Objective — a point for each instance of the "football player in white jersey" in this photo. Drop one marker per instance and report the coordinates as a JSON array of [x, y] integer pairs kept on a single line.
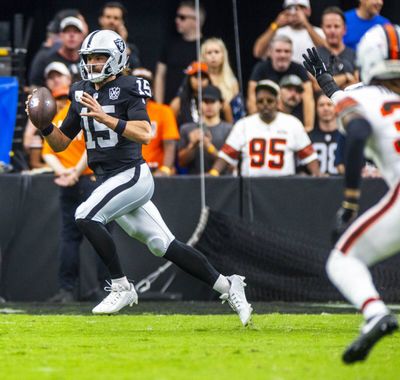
[[268, 141], [370, 117]]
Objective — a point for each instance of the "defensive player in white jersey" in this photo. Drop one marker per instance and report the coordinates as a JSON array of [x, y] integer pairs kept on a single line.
[[370, 117], [267, 141]]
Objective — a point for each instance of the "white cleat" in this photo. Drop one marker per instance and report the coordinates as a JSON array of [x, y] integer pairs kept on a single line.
[[237, 298], [118, 298]]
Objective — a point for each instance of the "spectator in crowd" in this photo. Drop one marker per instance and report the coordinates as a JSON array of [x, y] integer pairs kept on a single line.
[[113, 17], [340, 58], [267, 142], [52, 42], [215, 133], [275, 68], [215, 55], [76, 182], [178, 53], [185, 104], [362, 18], [71, 34], [56, 75], [325, 136], [290, 100], [160, 153], [292, 22]]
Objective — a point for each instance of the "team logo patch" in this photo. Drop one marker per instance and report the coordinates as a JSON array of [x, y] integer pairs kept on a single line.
[[120, 44], [78, 95], [114, 92]]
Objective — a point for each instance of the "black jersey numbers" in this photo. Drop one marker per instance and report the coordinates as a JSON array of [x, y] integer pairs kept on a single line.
[[99, 135]]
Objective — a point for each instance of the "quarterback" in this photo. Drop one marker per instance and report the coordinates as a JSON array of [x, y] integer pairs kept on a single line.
[[111, 110], [370, 117]]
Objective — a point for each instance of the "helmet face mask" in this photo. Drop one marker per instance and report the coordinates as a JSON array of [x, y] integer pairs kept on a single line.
[[104, 42], [378, 53]]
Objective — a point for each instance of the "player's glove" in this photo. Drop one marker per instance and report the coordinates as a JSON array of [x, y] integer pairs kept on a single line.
[[314, 63], [317, 68], [346, 214]]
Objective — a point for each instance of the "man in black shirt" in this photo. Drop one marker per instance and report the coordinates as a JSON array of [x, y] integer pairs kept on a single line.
[[71, 36], [178, 53], [275, 68], [111, 110], [325, 135]]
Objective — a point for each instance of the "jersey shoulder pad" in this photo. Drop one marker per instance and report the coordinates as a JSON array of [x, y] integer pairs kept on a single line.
[[347, 105]]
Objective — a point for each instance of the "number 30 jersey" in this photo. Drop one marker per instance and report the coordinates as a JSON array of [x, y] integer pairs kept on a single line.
[[268, 149], [381, 108], [123, 98]]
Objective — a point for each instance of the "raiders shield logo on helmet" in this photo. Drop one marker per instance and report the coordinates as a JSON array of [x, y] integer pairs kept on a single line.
[[120, 44]]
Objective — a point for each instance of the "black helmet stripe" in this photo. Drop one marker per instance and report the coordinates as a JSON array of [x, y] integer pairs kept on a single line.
[[91, 38]]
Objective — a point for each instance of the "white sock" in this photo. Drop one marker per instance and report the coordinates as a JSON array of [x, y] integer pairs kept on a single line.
[[222, 285], [375, 308], [352, 277], [123, 281]]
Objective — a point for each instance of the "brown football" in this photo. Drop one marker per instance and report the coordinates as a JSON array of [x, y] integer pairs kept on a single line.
[[42, 108]]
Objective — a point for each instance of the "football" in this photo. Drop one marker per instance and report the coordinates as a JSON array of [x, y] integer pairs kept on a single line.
[[41, 108]]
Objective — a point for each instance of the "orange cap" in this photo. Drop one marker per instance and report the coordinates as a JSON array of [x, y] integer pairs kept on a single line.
[[195, 67], [60, 91]]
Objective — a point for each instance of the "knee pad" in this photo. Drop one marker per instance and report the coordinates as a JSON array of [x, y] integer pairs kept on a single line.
[[158, 246]]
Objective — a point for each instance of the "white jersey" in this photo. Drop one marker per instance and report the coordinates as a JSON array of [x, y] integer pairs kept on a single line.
[[268, 149], [381, 107]]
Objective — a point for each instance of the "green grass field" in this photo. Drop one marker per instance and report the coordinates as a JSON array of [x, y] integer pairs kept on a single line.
[[277, 346]]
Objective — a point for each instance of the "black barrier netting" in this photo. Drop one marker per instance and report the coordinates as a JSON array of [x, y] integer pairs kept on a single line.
[[281, 265]]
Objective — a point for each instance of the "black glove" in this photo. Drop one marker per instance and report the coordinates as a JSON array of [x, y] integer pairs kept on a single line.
[[314, 64], [346, 214]]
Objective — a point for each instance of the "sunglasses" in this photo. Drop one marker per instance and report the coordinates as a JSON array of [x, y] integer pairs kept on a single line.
[[184, 17]]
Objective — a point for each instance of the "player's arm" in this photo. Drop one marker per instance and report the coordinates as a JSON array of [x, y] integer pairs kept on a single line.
[[358, 129], [135, 130]]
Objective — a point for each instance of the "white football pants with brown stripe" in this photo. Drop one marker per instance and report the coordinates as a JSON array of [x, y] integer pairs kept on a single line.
[[373, 237]]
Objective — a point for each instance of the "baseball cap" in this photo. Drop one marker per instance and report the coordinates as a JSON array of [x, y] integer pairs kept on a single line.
[[291, 81], [212, 93], [269, 85], [71, 21], [59, 67], [60, 91], [290, 3], [195, 67]]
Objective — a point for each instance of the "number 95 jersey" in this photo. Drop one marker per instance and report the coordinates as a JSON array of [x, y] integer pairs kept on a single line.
[[123, 98], [268, 149]]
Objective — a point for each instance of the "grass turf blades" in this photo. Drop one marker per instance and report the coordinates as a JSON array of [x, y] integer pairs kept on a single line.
[[277, 346]]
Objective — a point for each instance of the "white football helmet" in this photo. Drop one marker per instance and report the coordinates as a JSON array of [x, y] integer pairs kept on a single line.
[[378, 53], [105, 42]]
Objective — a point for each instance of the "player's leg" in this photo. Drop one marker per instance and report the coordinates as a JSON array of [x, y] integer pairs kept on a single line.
[[146, 225], [118, 195], [372, 238]]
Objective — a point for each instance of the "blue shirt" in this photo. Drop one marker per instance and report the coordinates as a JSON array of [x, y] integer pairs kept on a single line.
[[356, 27]]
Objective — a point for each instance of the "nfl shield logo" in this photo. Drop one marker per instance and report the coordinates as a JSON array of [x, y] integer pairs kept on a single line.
[[120, 44], [113, 93]]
